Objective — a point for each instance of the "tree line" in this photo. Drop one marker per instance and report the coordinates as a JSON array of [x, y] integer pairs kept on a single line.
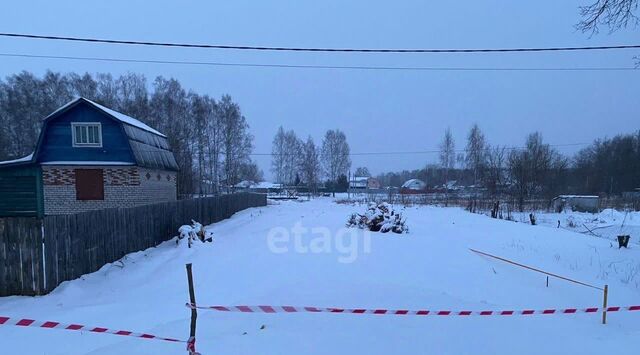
[[534, 170], [210, 137], [298, 162]]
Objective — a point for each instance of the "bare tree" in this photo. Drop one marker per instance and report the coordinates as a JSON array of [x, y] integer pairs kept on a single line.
[[335, 154], [476, 153], [249, 171], [214, 136], [25, 100], [84, 86], [292, 156], [310, 164], [107, 90], [277, 156], [496, 159], [199, 112], [535, 169], [609, 165], [614, 14], [55, 90], [236, 140], [133, 95], [169, 107], [447, 154]]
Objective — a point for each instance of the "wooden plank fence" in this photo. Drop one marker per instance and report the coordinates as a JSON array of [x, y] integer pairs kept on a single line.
[[72, 245], [21, 256]]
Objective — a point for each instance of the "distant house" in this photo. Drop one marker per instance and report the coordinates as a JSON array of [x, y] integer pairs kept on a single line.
[[364, 182], [579, 203], [244, 184], [89, 157], [265, 187], [413, 186], [258, 187]]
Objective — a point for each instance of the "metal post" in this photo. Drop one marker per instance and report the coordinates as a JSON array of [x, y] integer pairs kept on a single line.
[[191, 347], [349, 186], [44, 289], [604, 304]]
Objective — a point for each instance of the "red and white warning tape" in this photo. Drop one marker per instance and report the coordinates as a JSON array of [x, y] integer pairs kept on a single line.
[[402, 312], [25, 322]]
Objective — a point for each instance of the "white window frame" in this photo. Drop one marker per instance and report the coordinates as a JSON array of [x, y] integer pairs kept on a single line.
[[87, 124]]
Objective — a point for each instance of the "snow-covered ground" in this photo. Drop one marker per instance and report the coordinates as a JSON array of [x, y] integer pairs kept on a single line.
[[251, 263]]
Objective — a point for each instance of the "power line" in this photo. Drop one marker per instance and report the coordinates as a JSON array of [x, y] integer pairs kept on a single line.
[[303, 66], [316, 49]]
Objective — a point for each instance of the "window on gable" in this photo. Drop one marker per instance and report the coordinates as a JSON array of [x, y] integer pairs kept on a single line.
[[89, 184], [86, 134]]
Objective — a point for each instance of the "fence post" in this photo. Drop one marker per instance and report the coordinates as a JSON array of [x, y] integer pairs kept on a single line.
[[604, 304], [191, 344], [43, 267]]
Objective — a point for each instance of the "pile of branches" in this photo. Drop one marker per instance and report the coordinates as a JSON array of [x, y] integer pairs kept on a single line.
[[379, 217]]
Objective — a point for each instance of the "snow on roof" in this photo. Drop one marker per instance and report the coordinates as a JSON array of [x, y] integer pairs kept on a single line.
[[576, 196], [244, 184], [258, 185], [19, 160], [115, 114], [451, 183], [126, 119], [86, 162], [410, 182], [360, 178], [267, 185]]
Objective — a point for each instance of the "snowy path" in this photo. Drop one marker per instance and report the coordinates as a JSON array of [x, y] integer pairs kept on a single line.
[[430, 268]]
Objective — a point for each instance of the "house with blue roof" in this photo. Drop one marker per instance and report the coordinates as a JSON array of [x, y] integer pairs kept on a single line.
[[89, 157]]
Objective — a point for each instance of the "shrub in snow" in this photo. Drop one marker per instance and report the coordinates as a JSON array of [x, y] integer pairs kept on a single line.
[[193, 232], [379, 217]]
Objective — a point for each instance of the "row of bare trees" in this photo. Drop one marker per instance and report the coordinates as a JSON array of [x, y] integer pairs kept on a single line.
[[296, 162], [210, 137], [534, 170], [610, 165]]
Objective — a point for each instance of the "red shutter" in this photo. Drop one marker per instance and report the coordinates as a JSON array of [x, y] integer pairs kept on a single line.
[[89, 184]]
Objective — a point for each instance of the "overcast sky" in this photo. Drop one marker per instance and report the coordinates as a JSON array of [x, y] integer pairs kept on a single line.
[[379, 111]]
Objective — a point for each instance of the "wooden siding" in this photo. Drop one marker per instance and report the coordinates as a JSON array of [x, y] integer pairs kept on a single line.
[[57, 143], [21, 191], [82, 243]]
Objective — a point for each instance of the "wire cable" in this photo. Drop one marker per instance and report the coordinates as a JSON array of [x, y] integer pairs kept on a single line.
[[303, 66], [313, 49]]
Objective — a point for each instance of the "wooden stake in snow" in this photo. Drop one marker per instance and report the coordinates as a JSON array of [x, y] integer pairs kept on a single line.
[[604, 304], [191, 344]]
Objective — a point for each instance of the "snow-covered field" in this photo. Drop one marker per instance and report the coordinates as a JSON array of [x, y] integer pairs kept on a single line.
[[250, 263], [607, 224]]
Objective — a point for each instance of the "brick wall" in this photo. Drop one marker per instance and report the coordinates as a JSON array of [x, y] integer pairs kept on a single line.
[[124, 186]]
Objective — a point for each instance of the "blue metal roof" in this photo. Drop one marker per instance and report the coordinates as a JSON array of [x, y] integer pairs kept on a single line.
[[125, 139], [150, 150]]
